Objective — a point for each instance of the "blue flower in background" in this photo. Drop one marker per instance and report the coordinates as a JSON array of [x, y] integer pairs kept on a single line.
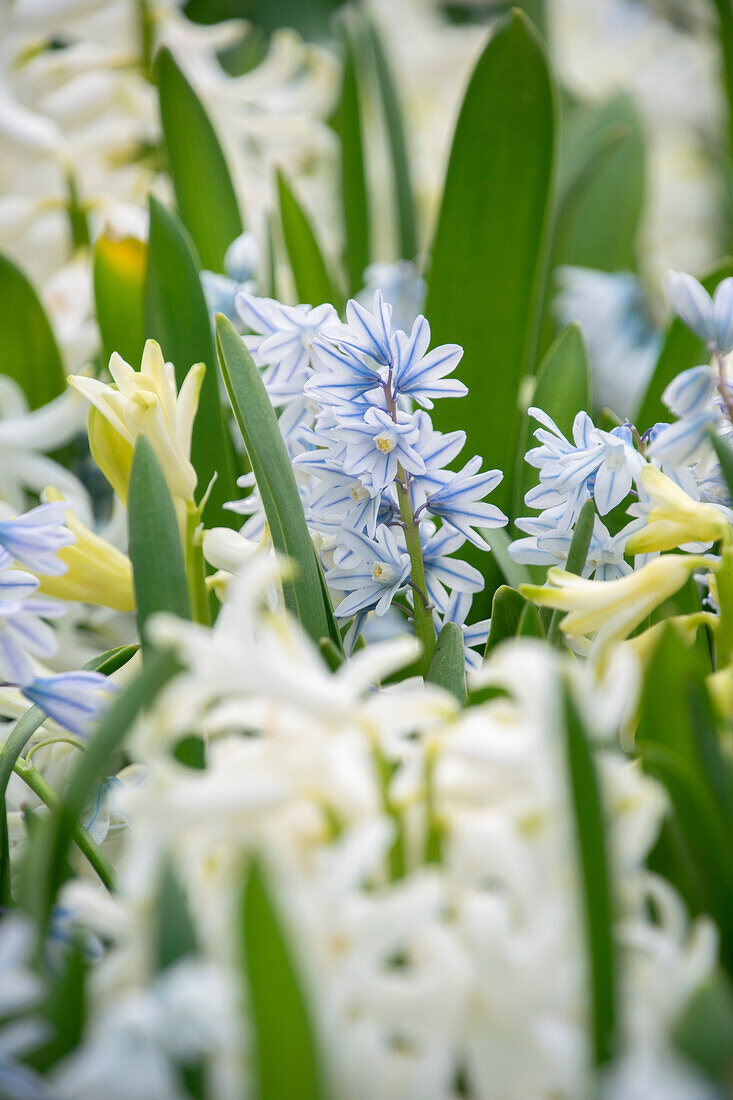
[[420, 374], [377, 444], [380, 570], [35, 538], [459, 501]]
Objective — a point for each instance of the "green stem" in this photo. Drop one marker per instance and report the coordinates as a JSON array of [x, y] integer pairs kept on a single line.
[[83, 840], [196, 567], [397, 849], [145, 25], [77, 215], [424, 626]]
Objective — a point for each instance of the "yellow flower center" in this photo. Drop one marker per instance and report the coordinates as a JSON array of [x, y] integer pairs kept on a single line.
[[385, 442]]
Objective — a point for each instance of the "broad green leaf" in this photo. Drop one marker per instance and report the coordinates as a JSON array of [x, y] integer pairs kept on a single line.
[[29, 354], [353, 188], [158, 568], [120, 265], [285, 1055], [404, 199], [577, 555], [205, 195], [312, 280], [562, 389], [506, 611], [607, 214], [448, 666], [681, 349], [488, 262], [175, 934], [23, 730], [594, 883], [177, 317], [46, 857], [273, 472], [531, 624]]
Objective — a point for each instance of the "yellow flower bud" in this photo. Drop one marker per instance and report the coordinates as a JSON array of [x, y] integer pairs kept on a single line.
[[97, 572], [111, 452]]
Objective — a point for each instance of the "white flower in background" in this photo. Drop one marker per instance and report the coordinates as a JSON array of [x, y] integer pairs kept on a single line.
[[415, 970]]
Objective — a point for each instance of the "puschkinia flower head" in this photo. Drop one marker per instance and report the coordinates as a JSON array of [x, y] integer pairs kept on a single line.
[[73, 699], [369, 465]]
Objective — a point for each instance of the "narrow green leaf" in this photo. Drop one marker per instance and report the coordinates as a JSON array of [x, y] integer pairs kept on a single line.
[[30, 354], [681, 349], [175, 934], [595, 885], [120, 265], [607, 214], [64, 1009], [312, 280], [562, 389], [273, 472], [448, 666], [406, 219], [46, 857], [577, 556], [23, 730], [177, 317], [158, 569], [506, 611], [285, 1060], [347, 124], [489, 253], [530, 623], [205, 195]]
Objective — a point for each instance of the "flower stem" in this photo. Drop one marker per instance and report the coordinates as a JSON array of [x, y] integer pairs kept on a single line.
[[195, 567], [724, 633], [424, 627], [83, 840]]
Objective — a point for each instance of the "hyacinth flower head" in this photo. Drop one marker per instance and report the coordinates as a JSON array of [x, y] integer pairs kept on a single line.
[[143, 402]]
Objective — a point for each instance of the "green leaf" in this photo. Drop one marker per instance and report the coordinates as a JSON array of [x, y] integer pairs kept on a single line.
[[30, 354], [158, 569], [178, 318], [175, 934], [404, 199], [681, 349], [46, 857], [577, 556], [205, 195], [120, 265], [704, 1033], [489, 253], [678, 742], [312, 280], [353, 188], [23, 730], [606, 215], [595, 885], [273, 472], [530, 623], [64, 1009], [562, 389], [448, 666], [285, 1056], [506, 611]]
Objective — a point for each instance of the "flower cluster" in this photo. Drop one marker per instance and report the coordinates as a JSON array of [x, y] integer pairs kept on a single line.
[[422, 860], [373, 470], [669, 466]]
